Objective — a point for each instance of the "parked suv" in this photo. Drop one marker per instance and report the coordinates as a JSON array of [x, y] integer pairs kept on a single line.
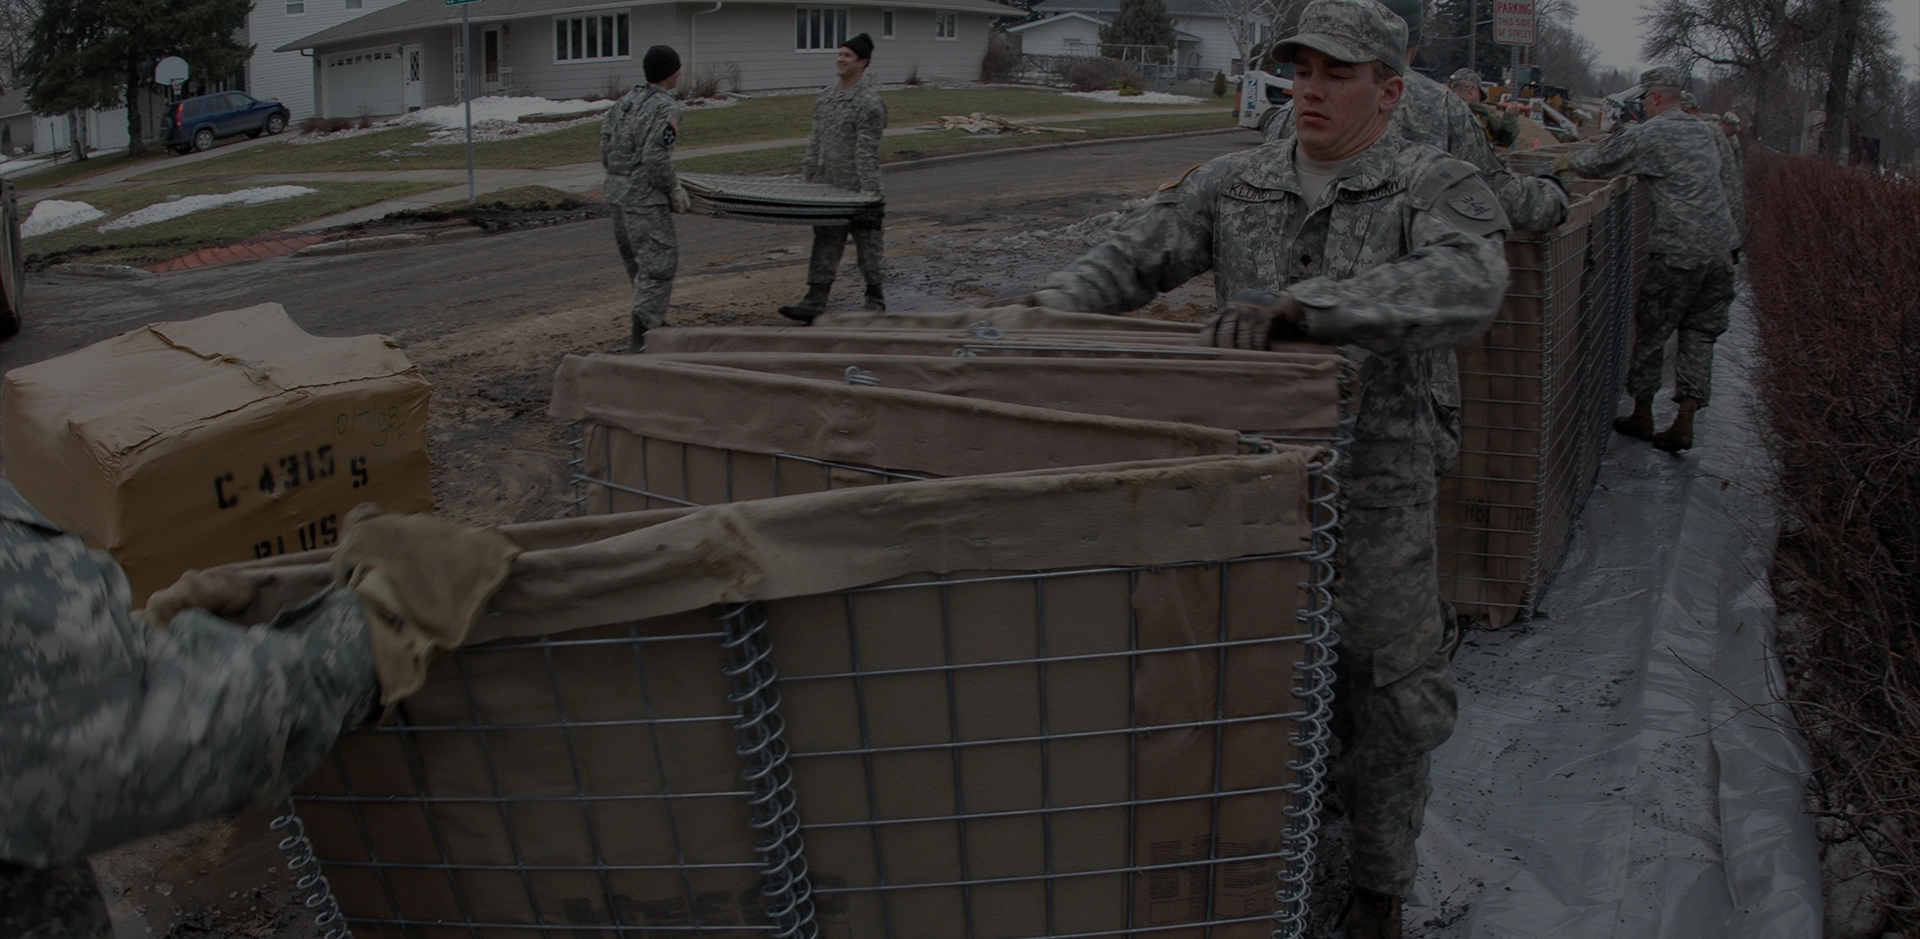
[[195, 123]]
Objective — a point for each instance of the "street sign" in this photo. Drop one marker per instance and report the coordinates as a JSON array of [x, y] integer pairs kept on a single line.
[[1515, 23], [172, 72]]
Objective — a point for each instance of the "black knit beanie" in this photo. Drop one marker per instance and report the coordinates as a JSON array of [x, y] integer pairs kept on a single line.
[[862, 46], [660, 62]]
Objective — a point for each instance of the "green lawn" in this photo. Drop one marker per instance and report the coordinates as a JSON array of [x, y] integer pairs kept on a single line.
[[66, 172], [161, 241], [772, 118], [940, 143]]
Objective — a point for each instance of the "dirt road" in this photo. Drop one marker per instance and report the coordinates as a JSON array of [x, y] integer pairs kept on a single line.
[[487, 319]]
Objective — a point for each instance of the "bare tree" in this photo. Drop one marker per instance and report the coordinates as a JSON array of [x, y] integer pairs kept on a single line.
[[16, 34], [1252, 23]]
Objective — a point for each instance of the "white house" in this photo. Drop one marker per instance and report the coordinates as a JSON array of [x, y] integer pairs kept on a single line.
[[1078, 34], [1204, 42], [288, 76], [409, 55]]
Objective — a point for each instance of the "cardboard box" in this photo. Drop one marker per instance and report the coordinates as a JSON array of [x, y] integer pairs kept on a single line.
[[224, 438]]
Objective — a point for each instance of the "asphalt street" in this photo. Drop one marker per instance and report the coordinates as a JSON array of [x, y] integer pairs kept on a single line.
[[437, 290]]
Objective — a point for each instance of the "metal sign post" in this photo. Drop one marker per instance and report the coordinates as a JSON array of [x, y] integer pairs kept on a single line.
[[466, 88]]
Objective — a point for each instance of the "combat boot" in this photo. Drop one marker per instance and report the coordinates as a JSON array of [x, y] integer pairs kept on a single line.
[[876, 300], [1373, 915], [810, 306], [1640, 422], [1680, 436]]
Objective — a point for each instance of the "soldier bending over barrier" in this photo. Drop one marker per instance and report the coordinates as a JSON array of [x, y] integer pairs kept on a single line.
[[1346, 234], [636, 148], [844, 151], [1690, 251], [116, 726]]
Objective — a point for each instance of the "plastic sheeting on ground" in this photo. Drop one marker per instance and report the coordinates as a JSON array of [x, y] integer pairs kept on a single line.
[[1622, 767]]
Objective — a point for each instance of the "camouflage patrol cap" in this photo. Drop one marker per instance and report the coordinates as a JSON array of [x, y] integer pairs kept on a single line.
[[1352, 31], [1659, 77], [1689, 102], [1463, 75], [1413, 13], [1731, 120]]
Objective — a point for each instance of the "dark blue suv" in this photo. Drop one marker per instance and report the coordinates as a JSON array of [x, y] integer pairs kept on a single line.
[[195, 123]]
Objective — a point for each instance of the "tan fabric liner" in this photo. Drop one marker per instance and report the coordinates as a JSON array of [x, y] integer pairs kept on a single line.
[[1002, 317], [679, 339], [732, 409], [1252, 397]]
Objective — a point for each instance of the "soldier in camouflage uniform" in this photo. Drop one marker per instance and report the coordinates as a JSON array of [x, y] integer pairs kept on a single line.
[[1347, 234], [1689, 279], [1432, 115], [636, 148], [844, 151], [116, 728], [1501, 127]]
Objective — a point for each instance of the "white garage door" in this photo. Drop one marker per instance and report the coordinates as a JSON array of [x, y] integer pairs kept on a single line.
[[364, 81]]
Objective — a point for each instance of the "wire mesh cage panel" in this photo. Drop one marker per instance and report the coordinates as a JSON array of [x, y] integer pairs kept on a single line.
[[1537, 393], [1095, 749]]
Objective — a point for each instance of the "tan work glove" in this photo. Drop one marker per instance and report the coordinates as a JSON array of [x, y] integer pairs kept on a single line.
[[678, 200], [221, 593], [1255, 320], [1563, 163], [1018, 299], [423, 583]]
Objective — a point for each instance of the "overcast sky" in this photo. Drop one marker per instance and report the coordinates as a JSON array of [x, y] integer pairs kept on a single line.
[[1609, 23]]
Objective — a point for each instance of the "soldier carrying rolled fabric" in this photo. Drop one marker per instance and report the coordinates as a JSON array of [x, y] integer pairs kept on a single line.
[[1690, 251], [1501, 127], [1432, 115], [1349, 234], [844, 151], [116, 725], [636, 148]]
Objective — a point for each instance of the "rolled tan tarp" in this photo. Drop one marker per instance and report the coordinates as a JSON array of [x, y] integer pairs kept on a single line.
[[1042, 343], [1298, 398], [1006, 318]]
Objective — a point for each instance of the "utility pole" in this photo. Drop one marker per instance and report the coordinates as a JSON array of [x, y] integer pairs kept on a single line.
[[1473, 35]]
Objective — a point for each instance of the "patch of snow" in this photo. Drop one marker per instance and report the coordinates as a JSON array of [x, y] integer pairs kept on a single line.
[[20, 165], [1145, 97], [499, 108], [187, 205], [51, 215]]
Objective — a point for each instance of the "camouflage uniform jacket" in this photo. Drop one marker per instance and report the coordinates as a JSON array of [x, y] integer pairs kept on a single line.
[[844, 150], [1501, 128], [1405, 260], [1733, 178], [1680, 164], [1432, 115], [111, 730], [636, 147]]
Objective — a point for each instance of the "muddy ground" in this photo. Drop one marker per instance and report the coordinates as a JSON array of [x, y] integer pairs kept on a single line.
[[487, 320]]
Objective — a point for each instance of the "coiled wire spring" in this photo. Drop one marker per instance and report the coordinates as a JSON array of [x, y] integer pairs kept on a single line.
[[763, 750], [309, 879]]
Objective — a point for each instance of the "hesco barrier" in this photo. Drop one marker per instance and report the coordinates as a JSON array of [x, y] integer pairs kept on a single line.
[[1040, 698], [1537, 394]]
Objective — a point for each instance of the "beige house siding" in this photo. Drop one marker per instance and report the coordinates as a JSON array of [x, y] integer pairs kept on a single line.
[[757, 39], [290, 76]]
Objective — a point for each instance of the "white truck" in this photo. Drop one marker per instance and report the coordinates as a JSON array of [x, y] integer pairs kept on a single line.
[[1262, 95]]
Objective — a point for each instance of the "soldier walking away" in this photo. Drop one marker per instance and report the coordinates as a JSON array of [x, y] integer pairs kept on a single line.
[[117, 724], [1690, 251], [1348, 234], [1432, 115], [636, 148], [844, 151]]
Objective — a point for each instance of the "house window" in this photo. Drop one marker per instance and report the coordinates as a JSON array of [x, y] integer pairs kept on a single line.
[[946, 25], [296, 7], [818, 29], [886, 24], [589, 38], [353, 4]]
